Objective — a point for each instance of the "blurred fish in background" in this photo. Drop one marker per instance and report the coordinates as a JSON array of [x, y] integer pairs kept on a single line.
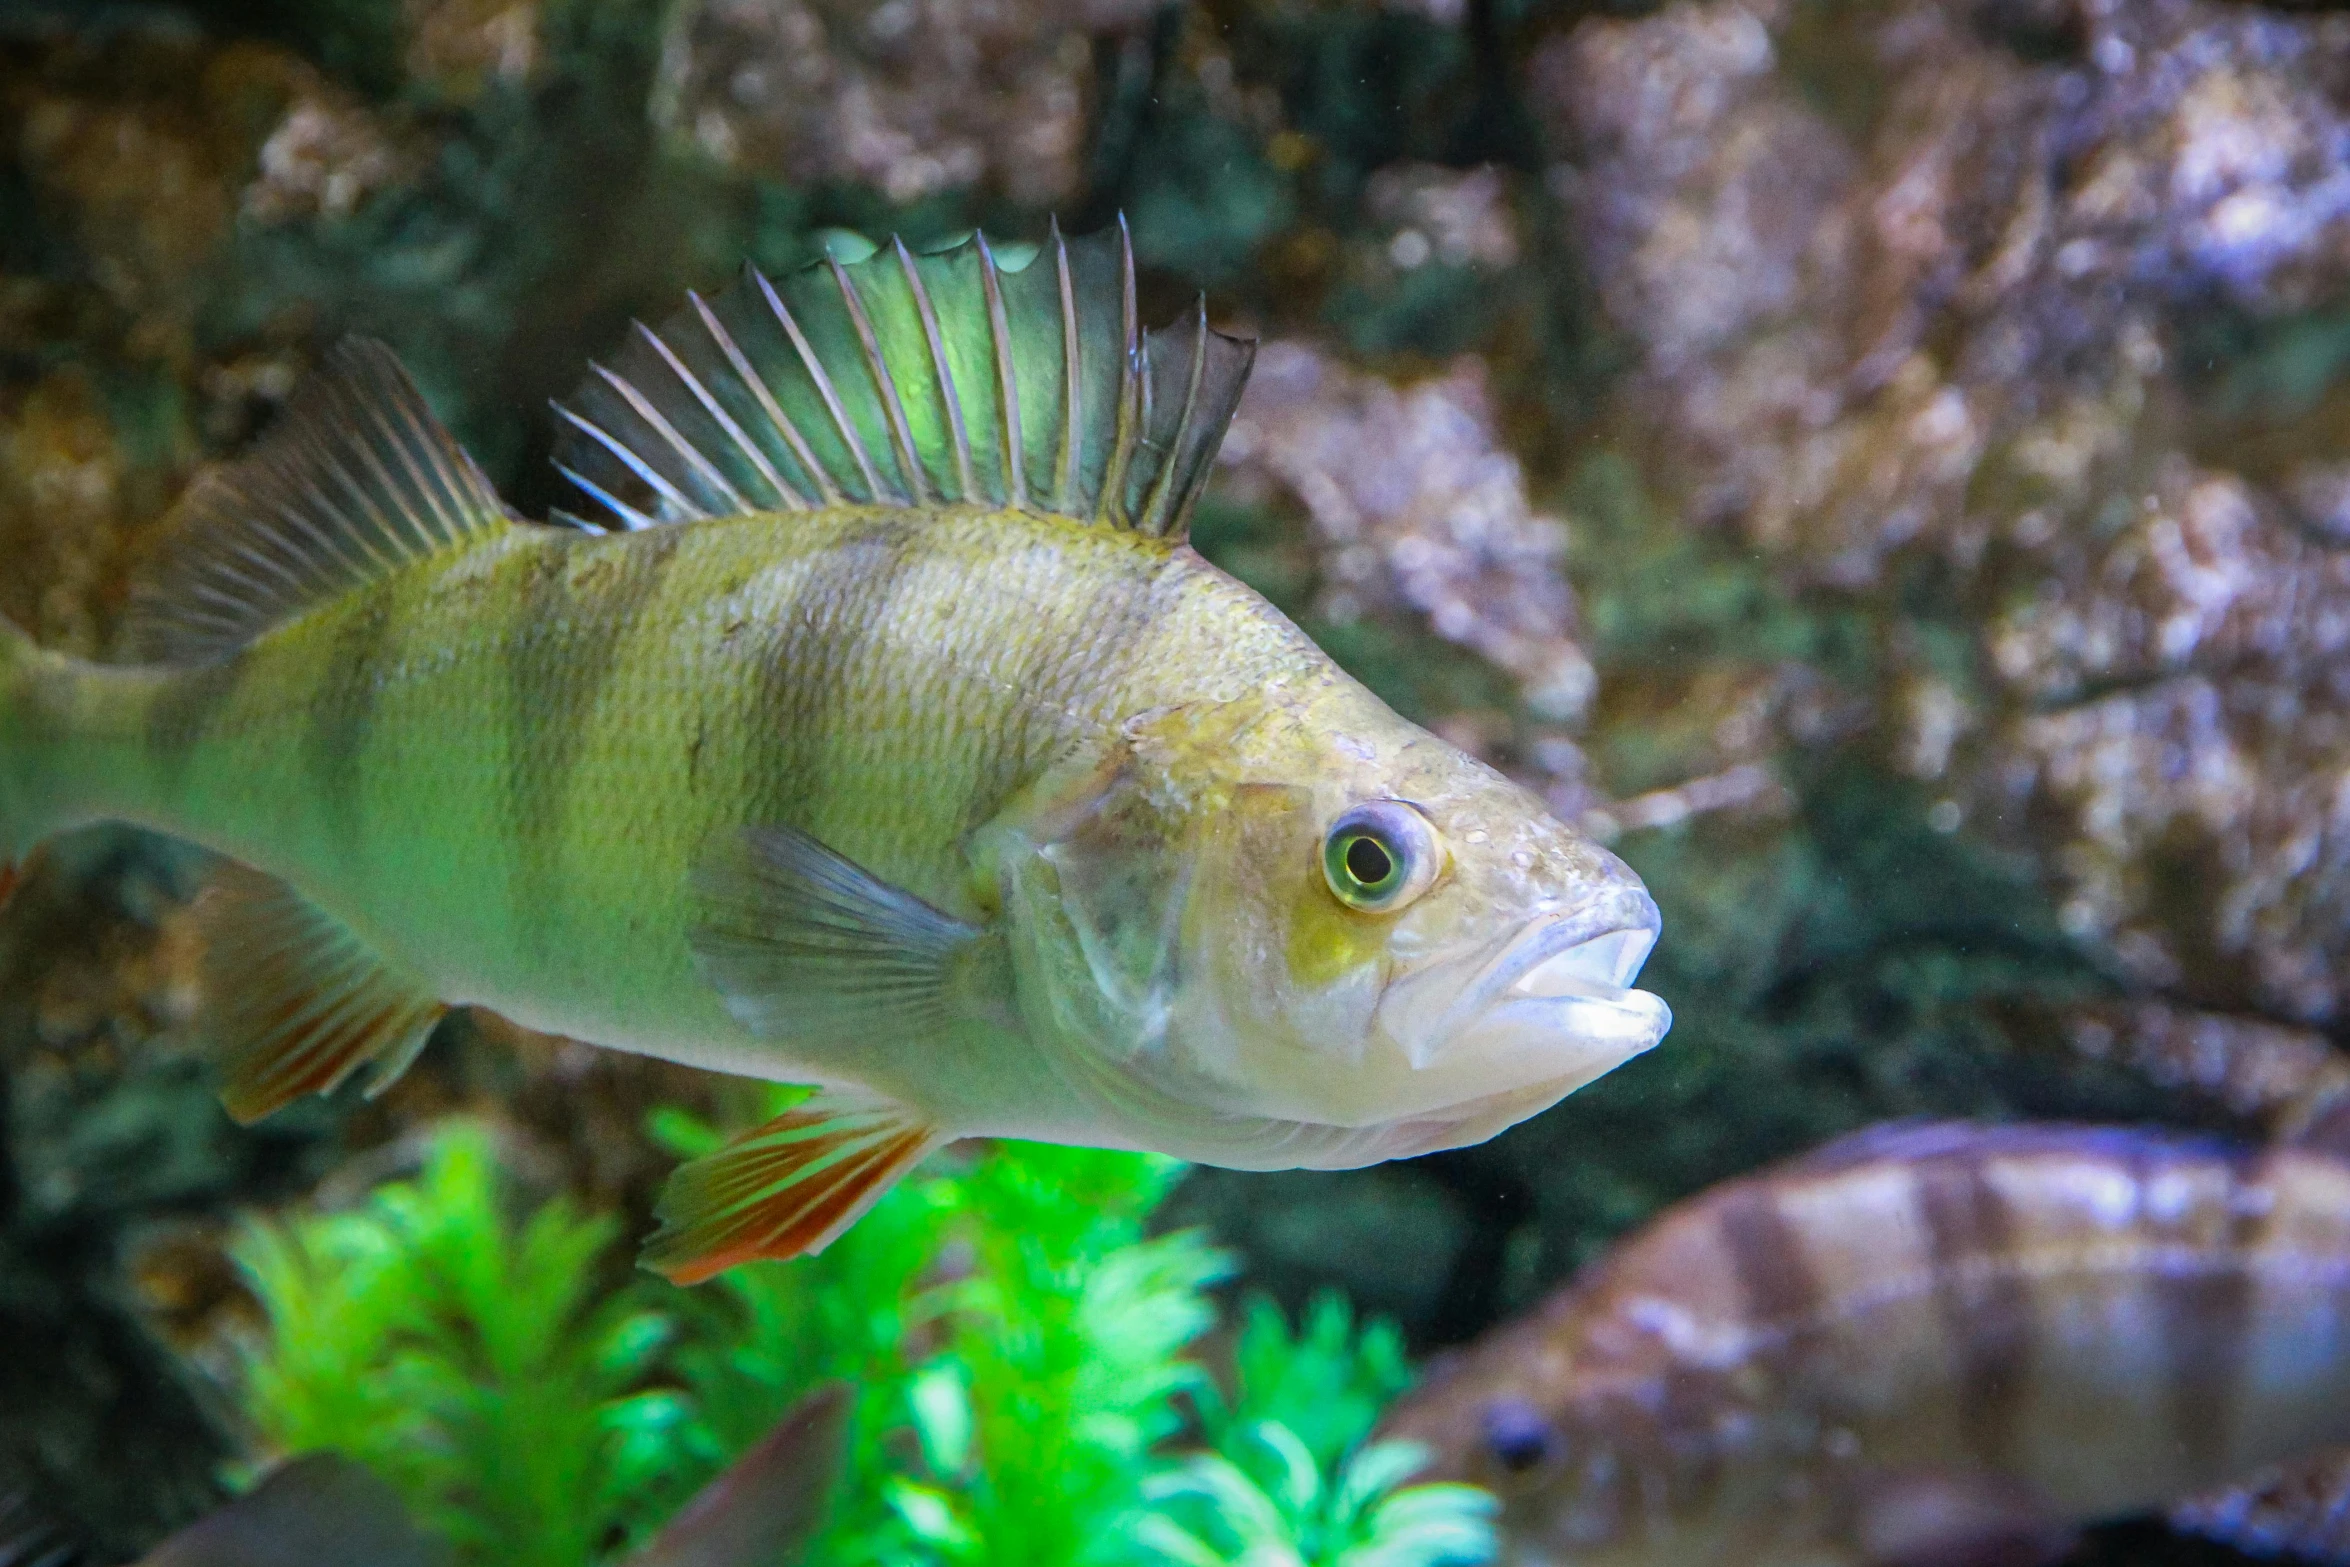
[[1924, 1343]]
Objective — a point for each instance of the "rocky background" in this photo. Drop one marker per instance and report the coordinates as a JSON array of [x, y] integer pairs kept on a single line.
[[1880, 463]]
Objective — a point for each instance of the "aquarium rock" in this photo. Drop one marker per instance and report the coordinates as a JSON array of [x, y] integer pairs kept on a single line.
[[1416, 505], [1921, 293], [912, 98]]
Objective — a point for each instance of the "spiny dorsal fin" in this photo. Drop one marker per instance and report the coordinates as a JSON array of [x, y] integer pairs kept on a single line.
[[356, 481], [906, 380]]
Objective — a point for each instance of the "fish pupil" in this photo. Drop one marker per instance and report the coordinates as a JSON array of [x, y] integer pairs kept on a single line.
[[1368, 861], [1516, 1434]]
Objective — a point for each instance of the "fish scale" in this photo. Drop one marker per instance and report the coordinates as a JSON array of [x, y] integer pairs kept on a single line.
[[883, 734]]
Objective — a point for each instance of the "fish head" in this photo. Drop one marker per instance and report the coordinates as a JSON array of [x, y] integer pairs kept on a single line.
[[1406, 933], [1350, 926]]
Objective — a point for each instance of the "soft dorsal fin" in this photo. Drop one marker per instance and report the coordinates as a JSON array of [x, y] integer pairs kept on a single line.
[[907, 380], [357, 480]]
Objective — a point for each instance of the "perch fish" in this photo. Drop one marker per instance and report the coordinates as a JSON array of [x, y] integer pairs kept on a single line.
[[881, 733], [1925, 1344]]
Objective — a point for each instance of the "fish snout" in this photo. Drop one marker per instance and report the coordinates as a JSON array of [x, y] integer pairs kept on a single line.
[[1551, 1001]]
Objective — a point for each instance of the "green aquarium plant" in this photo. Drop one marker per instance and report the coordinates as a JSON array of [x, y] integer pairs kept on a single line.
[[469, 1357], [1276, 1507], [1020, 1350], [1017, 1341], [1292, 1480]]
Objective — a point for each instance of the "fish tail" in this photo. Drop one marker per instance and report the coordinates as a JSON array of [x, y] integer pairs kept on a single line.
[[68, 736]]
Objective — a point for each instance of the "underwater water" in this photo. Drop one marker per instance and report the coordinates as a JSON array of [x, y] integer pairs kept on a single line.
[[1878, 466]]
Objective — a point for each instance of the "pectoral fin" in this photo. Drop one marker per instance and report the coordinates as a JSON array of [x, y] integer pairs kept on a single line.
[[788, 1187], [801, 942], [296, 1000]]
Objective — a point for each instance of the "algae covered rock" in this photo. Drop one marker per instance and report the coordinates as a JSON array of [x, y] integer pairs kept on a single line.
[[1923, 305]]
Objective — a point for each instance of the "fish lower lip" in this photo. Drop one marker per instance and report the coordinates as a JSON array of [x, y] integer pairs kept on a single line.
[[1595, 1034]]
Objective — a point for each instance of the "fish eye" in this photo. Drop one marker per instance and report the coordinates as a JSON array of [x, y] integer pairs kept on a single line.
[[1380, 855], [1516, 1434]]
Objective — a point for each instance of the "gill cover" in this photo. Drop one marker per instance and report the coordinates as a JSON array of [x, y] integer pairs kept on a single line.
[[1111, 882]]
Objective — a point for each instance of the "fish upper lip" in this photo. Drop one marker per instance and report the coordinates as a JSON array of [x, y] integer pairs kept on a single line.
[[1594, 951]]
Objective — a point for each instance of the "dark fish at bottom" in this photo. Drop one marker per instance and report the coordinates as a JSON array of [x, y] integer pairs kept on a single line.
[[1924, 1344]]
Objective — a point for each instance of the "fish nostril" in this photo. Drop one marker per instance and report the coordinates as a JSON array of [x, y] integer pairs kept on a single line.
[[1516, 1434]]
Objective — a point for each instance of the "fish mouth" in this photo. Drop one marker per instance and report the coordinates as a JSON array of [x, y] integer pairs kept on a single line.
[[1555, 1002], [1561, 955]]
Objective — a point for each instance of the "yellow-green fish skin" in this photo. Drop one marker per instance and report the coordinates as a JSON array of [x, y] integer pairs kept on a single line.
[[498, 766]]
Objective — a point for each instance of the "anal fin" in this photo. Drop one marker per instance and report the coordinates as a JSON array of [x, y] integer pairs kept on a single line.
[[786, 1188], [296, 1000]]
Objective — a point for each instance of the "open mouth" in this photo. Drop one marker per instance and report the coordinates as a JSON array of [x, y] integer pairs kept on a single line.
[[1554, 1003], [1592, 954], [1600, 968]]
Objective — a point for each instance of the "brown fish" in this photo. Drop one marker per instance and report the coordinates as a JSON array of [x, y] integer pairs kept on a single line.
[[1935, 1343]]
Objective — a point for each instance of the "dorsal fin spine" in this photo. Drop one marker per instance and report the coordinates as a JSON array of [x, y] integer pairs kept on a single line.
[[741, 364], [1108, 505], [885, 387], [645, 410], [1030, 387], [718, 414], [630, 518], [967, 487], [1073, 400], [824, 388], [1152, 518], [635, 464], [999, 334]]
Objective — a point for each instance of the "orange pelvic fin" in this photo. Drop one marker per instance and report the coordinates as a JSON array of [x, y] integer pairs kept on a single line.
[[788, 1187]]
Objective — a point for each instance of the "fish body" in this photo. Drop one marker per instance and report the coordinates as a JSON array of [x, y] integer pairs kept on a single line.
[[889, 739], [504, 763], [1925, 1344]]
